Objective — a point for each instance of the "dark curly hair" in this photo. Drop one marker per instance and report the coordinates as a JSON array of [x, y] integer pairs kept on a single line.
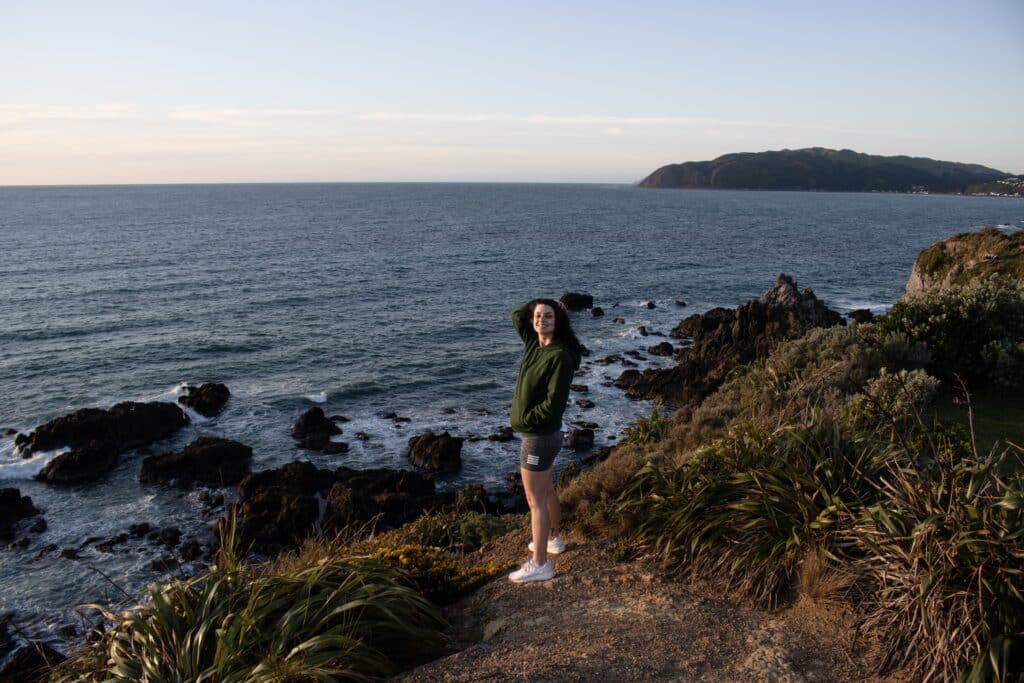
[[564, 333]]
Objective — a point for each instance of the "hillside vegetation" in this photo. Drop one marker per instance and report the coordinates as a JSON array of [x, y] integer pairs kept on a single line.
[[817, 168]]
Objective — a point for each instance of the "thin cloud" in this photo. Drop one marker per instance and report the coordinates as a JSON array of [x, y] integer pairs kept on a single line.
[[609, 122], [15, 116], [246, 115]]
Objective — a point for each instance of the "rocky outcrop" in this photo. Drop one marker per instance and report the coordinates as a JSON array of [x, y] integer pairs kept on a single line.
[[279, 507], [31, 663], [965, 257], [207, 460], [723, 339], [313, 430], [81, 464], [14, 507], [124, 426], [576, 301], [436, 452], [580, 439], [207, 399]]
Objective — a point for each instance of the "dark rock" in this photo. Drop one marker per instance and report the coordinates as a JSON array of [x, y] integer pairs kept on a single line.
[[448, 410], [628, 379], [632, 353], [165, 564], [568, 473], [621, 321], [398, 418], [168, 537], [861, 315], [503, 434], [313, 430], [437, 453], [628, 363], [663, 349], [14, 507], [649, 305], [362, 436], [8, 431], [279, 507], [190, 550], [586, 425], [124, 426], [207, 460], [30, 663], [388, 416], [139, 530], [724, 339], [642, 330], [38, 526], [581, 388], [680, 303], [21, 543], [580, 439], [83, 463], [207, 399], [608, 360], [597, 311], [69, 553], [108, 545], [338, 418], [585, 403], [576, 302]]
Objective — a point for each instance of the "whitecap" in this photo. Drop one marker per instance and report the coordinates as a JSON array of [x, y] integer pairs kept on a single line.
[[317, 398], [28, 468]]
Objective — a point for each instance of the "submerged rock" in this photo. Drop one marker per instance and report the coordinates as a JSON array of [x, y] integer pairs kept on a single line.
[[207, 460], [436, 452], [14, 507], [206, 399]]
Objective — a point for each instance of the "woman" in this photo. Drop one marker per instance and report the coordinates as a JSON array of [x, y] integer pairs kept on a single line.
[[550, 358]]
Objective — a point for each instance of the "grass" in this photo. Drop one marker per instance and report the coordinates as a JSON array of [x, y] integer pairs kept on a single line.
[[998, 418]]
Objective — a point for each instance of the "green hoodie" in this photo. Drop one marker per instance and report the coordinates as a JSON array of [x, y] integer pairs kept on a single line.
[[542, 388]]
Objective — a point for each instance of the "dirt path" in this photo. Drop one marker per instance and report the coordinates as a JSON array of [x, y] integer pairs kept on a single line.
[[602, 620]]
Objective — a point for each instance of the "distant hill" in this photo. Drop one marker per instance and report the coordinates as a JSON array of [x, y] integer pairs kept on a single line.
[[817, 168]]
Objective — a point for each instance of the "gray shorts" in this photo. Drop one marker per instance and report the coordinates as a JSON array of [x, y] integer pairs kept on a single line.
[[537, 453]]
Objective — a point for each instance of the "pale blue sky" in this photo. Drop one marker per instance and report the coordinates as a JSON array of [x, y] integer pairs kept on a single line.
[[123, 92]]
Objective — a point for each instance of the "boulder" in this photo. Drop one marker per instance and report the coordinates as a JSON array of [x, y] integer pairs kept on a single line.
[[628, 379], [649, 305], [642, 330], [13, 507], [207, 460], [575, 301], [861, 315], [663, 349], [436, 452], [81, 464], [724, 339], [313, 430], [966, 257], [206, 399], [280, 507], [580, 439], [585, 403], [597, 311], [124, 426], [30, 663]]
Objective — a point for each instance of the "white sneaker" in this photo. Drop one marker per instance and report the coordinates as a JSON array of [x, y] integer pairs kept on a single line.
[[532, 571], [555, 545]]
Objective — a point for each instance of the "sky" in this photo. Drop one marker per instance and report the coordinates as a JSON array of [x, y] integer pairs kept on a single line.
[[193, 92]]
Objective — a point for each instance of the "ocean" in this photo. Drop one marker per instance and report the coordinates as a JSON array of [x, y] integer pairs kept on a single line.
[[367, 299]]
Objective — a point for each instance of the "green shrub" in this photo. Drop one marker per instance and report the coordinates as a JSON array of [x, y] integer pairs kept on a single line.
[[944, 554], [437, 575], [892, 400], [975, 332], [456, 531], [648, 429]]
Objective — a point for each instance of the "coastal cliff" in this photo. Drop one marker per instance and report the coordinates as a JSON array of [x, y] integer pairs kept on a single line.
[[968, 256]]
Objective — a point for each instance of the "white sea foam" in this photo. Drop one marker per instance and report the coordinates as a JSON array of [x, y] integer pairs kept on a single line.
[[317, 398], [197, 418], [28, 468]]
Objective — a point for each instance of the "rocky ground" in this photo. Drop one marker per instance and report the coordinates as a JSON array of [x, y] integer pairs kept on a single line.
[[604, 620]]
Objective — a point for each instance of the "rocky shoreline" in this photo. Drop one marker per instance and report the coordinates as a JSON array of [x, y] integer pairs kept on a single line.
[[277, 508]]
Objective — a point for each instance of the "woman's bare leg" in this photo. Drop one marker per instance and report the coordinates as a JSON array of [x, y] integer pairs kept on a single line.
[[554, 510], [540, 521]]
